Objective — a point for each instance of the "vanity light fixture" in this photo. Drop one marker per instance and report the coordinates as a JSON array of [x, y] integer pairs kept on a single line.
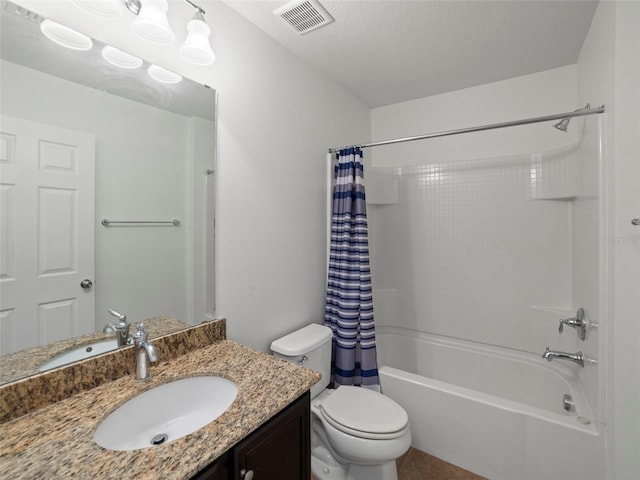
[[163, 75], [65, 36], [152, 25], [101, 8], [119, 58]]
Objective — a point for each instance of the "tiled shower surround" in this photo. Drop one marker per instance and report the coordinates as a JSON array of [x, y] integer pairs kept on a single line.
[[492, 250], [469, 251]]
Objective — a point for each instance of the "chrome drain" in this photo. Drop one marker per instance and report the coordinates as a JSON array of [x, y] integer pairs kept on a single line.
[[159, 439]]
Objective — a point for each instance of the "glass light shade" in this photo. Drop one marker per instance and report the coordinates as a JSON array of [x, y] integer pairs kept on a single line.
[[101, 8], [151, 23], [162, 75], [196, 48], [65, 36], [119, 58]]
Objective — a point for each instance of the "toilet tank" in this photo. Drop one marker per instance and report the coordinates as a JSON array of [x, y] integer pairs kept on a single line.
[[308, 347]]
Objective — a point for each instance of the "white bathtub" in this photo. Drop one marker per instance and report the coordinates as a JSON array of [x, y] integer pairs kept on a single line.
[[494, 411]]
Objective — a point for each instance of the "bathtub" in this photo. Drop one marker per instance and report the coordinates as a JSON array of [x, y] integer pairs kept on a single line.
[[494, 411]]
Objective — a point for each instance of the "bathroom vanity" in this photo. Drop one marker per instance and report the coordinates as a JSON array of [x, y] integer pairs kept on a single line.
[[265, 429], [279, 450]]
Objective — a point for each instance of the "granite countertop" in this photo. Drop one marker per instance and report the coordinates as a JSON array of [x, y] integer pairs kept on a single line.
[[56, 441], [20, 364]]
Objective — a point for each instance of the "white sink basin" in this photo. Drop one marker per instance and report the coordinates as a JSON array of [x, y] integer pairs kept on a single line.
[[166, 413], [80, 353]]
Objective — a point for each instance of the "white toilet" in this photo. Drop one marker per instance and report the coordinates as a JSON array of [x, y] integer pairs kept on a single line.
[[356, 433]]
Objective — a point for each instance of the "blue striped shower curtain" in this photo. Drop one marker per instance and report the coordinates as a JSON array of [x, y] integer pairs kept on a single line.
[[349, 303]]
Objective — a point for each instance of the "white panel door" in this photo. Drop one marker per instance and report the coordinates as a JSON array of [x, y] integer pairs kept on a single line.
[[47, 210]]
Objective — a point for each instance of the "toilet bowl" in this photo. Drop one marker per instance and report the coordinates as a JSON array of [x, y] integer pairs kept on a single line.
[[357, 433]]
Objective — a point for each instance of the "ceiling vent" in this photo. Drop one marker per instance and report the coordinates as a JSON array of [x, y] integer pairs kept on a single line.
[[304, 15]]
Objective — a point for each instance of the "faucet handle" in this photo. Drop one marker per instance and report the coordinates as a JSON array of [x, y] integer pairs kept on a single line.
[[140, 334], [118, 315], [578, 322], [121, 329]]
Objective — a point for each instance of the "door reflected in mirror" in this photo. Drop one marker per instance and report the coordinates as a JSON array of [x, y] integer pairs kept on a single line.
[[153, 150]]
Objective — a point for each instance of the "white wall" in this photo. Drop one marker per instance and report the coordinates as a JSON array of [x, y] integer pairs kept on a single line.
[[626, 335], [539, 94], [276, 119], [609, 70], [200, 200], [469, 252], [141, 172], [476, 247]]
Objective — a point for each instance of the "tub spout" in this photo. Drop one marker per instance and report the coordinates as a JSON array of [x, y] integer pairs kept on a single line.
[[577, 357]]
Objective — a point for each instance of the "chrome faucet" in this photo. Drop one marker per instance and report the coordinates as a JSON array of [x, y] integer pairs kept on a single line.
[[144, 351], [578, 322], [578, 357], [121, 329]]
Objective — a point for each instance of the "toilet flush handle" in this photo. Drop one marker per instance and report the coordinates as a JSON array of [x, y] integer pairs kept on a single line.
[[303, 360]]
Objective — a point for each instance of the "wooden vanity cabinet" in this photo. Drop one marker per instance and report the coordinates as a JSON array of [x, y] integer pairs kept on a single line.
[[279, 450], [218, 470]]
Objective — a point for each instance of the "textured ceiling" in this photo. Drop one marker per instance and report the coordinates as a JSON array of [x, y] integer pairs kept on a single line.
[[387, 52]]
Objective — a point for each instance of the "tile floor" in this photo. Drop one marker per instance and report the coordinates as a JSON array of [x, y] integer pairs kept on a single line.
[[417, 465]]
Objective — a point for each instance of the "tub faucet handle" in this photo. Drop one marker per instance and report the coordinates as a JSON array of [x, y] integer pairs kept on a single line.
[[578, 322]]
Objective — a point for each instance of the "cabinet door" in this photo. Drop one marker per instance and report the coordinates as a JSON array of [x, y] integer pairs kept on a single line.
[[218, 470], [280, 449]]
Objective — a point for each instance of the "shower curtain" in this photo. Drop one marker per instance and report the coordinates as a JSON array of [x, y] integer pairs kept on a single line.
[[349, 301]]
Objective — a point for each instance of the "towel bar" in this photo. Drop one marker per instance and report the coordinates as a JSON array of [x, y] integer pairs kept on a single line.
[[106, 222]]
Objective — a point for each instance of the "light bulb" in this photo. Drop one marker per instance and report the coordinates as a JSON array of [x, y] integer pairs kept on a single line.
[[196, 48], [119, 58], [65, 36], [163, 75], [151, 23]]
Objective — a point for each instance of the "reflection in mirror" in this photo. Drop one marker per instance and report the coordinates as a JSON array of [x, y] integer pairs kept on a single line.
[[83, 140]]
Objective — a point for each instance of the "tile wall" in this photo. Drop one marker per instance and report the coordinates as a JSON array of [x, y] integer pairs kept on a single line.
[[477, 249]]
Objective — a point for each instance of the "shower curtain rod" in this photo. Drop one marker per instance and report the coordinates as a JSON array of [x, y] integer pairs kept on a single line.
[[559, 116]]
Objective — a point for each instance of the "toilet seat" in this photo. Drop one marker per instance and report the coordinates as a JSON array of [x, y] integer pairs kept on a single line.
[[364, 413]]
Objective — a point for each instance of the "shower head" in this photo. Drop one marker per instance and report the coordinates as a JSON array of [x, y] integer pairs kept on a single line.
[[563, 124]]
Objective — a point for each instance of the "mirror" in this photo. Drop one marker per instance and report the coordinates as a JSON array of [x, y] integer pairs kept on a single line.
[[153, 147]]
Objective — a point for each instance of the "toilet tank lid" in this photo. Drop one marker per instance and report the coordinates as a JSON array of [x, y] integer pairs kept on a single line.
[[302, 341]]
